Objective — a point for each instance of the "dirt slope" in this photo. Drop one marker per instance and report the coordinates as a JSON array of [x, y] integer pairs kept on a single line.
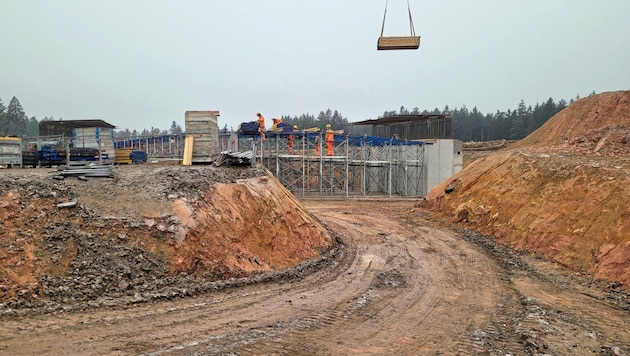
[[150, 233], [598, 124], [561, 192]]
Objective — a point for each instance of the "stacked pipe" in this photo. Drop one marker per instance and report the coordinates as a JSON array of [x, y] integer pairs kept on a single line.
[[86, 171]]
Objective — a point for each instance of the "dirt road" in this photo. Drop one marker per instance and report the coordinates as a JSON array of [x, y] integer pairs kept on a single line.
[[401, 285]]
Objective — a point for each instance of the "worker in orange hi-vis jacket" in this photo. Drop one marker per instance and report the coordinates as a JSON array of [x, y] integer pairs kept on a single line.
[[274, 123], [261, 123], [291, 138], [330, 139]]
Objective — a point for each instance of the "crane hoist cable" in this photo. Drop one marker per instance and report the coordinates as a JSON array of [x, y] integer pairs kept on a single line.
[[399, 42]]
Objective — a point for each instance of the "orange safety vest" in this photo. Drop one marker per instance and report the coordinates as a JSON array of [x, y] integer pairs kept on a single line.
[[330, 135]]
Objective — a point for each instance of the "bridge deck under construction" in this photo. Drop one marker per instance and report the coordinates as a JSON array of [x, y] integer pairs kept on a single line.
[[359, 165]]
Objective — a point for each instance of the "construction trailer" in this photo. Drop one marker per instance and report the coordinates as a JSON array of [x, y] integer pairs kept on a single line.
[[10, 151], [359, 166]]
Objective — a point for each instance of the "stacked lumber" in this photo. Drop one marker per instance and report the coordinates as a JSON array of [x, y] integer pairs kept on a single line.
[[122, 156], [203, 126], [29, 159]]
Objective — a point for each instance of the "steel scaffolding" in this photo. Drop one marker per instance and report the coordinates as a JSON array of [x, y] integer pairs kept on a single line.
[[359, 166], [165, 146]]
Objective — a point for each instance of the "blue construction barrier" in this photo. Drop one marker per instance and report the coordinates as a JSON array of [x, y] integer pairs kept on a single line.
[[55, 156], [352, 140]]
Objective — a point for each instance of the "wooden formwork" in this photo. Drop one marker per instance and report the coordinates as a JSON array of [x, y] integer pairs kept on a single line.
[[203, 126], [400, 42], [123, 156]]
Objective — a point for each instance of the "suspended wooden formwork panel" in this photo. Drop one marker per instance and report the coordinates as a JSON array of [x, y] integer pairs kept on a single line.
[[398, 42]]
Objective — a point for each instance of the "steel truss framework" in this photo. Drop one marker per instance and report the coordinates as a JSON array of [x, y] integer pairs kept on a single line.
[[359, 166], [166, 146]]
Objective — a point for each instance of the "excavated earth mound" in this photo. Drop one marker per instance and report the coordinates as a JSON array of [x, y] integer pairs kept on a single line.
[[150, 233], [562, 192]]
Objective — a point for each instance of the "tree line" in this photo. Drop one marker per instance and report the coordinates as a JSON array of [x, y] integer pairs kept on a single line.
[[512, 124], [15, 122], [466, 124], [175, 129]]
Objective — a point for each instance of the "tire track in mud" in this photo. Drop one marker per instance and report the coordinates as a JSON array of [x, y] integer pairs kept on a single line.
[[393, 291], [394, 288], [419, 315]]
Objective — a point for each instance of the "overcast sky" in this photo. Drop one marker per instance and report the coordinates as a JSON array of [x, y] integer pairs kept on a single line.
[[141, 64]]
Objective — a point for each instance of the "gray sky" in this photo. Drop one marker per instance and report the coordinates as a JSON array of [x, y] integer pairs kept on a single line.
[[137, 64]]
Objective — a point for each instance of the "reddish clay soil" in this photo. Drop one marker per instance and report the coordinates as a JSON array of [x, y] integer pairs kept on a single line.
[[145, 232], [398, 283], [562, 192], [525, 252]]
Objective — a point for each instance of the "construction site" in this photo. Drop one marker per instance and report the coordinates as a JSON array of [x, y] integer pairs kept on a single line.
[[358, 165], [403, 242]]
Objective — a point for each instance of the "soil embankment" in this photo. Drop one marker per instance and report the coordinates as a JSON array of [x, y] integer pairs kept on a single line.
[[150, 233], [562, 192]]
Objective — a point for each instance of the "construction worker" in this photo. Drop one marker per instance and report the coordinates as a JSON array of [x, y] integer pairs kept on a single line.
[[291, 138], [276, 121], [330, 139], [261, 123]]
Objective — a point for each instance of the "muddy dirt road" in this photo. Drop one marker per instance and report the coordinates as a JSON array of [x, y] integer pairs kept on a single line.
[[401, 285]]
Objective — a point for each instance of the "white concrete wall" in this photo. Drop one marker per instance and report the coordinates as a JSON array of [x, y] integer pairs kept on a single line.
[[441, 159]]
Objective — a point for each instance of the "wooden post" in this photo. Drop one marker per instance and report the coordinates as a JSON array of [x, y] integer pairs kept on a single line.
[[188, 150], [68, 153]]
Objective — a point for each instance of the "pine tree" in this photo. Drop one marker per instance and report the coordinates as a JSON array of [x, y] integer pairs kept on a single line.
[[15, 119], [176, 129], [3, 119], [32, 127]]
